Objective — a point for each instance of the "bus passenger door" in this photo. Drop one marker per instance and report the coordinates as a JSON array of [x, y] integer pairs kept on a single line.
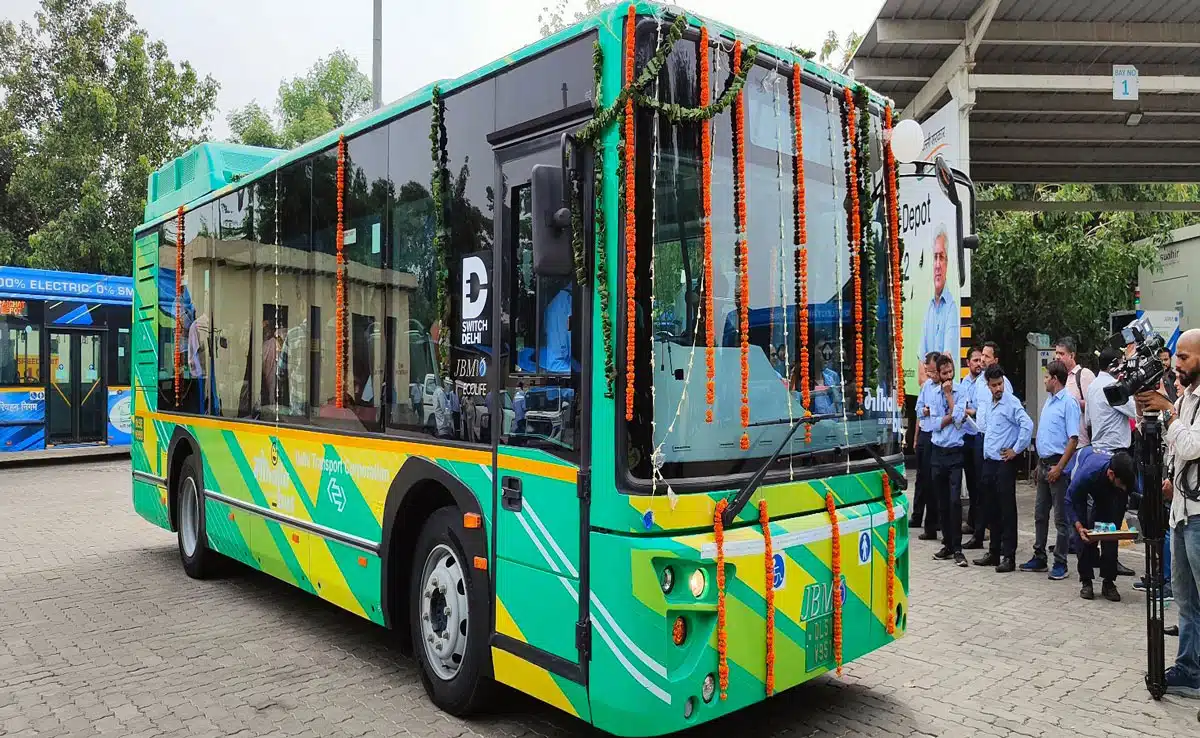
[[539, 413], [77, 409]]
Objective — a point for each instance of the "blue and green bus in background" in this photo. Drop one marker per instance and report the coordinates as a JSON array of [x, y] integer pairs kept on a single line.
[[64, 362]]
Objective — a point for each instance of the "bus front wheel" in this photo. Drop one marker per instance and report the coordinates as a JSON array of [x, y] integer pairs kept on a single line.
[[193, 549], [449, 617]]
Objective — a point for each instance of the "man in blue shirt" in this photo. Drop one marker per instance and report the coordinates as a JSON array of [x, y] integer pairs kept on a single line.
[[1057, 437], [941, 331], [1104, 479], [949, 406], [977, 410], [555, 354], [1009, 430], [925, 506], [973, 453]]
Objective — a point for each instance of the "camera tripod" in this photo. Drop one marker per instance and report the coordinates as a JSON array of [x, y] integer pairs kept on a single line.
[[1153, 517]]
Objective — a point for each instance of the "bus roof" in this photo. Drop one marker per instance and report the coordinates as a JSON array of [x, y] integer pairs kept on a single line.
[[607, 21], [40, 284]]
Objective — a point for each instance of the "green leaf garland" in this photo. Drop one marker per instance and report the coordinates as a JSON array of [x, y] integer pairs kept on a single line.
[[870, 296], [590, 134], [438, 146]]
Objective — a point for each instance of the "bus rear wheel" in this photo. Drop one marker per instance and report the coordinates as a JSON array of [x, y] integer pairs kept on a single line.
[[448, 618], [193, 539]]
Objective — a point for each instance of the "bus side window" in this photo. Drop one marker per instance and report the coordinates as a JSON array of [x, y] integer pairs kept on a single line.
[[542, 369]]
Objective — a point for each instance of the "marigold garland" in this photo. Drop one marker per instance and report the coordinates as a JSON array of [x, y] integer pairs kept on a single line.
[[630, 219], [855, 236], [178, 303], [893, 206], [339, 381], [719, 535], [616, 111], [710, 353], [742, 248], [800, 239], [891, 555], [764, 520], [836, 565]]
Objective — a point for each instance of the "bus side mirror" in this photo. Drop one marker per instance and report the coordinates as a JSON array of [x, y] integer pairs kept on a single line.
[[552, 253]]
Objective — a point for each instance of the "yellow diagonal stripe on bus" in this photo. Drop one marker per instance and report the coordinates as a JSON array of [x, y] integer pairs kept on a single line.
[[519, 673]]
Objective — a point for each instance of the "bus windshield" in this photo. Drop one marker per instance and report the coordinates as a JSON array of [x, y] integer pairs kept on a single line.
[[681, 442]]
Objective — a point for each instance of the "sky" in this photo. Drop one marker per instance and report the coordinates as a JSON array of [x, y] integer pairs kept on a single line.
[[249, 46]]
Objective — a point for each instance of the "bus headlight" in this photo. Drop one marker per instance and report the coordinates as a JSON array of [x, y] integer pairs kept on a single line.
[[668, 580], [696, 583], [709, 688]]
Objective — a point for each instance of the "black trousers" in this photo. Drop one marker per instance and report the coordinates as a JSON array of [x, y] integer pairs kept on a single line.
[[947, 466], [999, 483], [925, 506], [973, 472], [1107, 507]]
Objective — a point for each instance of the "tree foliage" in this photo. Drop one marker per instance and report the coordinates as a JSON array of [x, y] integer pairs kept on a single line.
[[838, 49], [332, 92], [89, 107], [558, 16], [1063, 273]]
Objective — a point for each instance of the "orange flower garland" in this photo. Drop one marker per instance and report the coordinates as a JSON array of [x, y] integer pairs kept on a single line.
[[178, 302], [630, 219], [719, 535], [710, 323], [891, 558], [742, 249], [852, 186], [893, 197], [801, 241], [836, 565], [339, 381], [769, 566]]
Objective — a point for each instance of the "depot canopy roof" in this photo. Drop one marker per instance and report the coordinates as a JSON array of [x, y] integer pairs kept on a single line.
[[1037, 79]]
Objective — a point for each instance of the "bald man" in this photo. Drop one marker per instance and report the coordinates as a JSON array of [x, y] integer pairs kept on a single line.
[[1183, 490]]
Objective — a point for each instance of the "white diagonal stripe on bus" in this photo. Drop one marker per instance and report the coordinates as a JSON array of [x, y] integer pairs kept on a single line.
[[633, 672], [656, 667], [795, 538]]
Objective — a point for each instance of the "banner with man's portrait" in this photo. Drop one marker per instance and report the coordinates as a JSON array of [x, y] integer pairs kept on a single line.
[[937, 280]]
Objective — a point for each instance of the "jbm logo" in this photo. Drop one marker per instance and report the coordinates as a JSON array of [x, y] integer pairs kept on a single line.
[[818, 600]]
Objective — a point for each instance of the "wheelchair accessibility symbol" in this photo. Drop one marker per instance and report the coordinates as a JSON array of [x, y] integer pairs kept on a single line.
[[864, 547], [779, 571]]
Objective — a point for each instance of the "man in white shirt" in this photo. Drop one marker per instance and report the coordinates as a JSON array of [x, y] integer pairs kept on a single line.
[[1110, 429], [1079, 378], [1108, 426], [1183, 488]]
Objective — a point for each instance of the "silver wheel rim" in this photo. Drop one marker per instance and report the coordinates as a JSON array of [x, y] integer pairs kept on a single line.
[[189, 516], [444, 612]]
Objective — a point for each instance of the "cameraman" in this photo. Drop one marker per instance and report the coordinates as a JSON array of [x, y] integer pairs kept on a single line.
[[1183, 488], [1110, 428]]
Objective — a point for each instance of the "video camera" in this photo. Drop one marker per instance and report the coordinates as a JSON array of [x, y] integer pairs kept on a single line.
[[1141, 371]]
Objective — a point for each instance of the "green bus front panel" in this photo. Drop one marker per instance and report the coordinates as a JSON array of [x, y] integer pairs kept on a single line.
[[641, 681]]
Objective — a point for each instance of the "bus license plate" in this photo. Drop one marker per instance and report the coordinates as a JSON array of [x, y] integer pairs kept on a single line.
[[818, 647]]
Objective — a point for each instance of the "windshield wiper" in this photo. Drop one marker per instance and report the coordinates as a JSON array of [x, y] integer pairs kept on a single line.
[[745, 493], [897, 478]]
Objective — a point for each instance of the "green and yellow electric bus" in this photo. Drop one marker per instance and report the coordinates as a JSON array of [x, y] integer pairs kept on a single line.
[[578, 371]]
